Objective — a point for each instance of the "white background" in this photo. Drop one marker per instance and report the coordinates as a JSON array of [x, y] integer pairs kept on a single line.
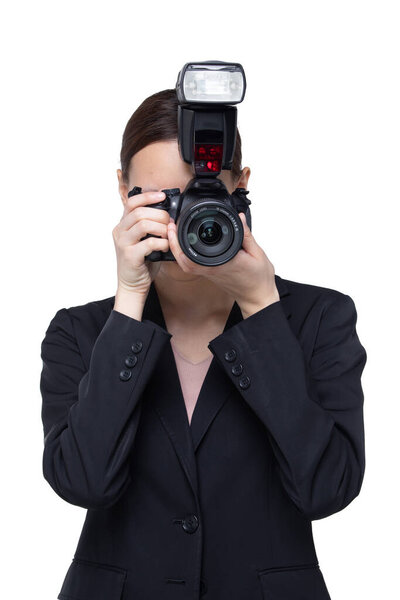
[[320, 132]]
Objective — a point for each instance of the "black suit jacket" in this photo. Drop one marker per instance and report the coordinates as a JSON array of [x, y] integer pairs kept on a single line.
[[220, 509]]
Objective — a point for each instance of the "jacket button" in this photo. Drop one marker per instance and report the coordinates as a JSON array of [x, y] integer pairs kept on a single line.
[[131, 360], [244, 382], [137, 346], [230, 355], [125, 374], [237, 369], [190, 523]]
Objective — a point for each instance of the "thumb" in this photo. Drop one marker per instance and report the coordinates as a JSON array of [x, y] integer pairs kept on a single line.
[[249, 243]]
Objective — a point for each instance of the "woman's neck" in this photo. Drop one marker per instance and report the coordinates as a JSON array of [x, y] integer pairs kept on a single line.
[[192, 297]]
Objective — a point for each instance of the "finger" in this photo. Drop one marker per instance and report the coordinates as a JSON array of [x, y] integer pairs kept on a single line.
[[143, 227], [143, 212], [249, 243], [143, 199], [183, 261]]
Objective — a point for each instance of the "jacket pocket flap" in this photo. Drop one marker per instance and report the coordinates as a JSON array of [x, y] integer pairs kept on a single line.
[[293, 583], [86, 580]]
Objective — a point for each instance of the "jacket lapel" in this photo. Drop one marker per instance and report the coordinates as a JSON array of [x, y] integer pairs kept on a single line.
[[215, 390], [169, 403], [217, 387]]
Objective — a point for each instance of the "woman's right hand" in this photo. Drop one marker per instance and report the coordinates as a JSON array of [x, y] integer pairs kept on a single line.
[[139, 218]]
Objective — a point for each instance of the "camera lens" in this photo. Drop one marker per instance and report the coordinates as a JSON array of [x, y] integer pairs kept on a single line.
[[210, 232]]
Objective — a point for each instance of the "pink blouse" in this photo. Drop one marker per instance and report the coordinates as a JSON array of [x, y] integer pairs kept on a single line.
[[191, 376]]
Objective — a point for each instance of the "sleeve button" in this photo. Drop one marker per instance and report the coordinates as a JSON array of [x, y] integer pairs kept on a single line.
[[125, 375], [137, 346], [244, 382], [131, 360], [237, 369], [230, 355]]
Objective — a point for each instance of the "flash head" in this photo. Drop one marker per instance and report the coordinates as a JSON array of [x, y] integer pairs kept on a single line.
[[211, 81], [207, 120]]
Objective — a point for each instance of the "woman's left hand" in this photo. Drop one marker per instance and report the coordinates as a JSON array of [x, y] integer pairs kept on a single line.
[[249, 277]]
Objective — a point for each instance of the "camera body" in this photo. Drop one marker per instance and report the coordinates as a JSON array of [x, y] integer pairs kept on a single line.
[[209, 228]]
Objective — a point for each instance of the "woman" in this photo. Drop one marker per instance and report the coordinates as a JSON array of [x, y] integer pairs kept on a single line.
[[203, 416]]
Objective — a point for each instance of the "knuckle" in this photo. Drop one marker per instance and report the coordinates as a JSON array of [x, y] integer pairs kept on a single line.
[[139, 213], [130, 203], [140, 225]]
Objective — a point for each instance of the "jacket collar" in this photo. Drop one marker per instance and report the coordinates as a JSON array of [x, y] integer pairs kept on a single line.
[[169, 403]]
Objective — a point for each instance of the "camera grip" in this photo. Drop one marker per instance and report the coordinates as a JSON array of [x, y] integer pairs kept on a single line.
[[155, 255]]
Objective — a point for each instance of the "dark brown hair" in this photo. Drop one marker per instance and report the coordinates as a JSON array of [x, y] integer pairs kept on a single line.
[[156, 120]]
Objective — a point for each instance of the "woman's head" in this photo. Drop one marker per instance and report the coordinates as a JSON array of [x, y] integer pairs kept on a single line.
[[150, 157], [150, 154]]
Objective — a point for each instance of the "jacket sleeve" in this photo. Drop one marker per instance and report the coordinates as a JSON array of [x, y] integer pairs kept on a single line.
[[312, 410], [90, 417]]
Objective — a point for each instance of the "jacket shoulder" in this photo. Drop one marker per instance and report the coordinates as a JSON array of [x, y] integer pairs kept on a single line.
[[95, 309], [312, 293], [87, 321]]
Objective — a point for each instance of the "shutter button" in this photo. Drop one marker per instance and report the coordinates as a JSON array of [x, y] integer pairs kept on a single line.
[[190, 523]]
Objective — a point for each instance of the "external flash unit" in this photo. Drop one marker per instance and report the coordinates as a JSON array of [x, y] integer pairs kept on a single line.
[[210, 231]]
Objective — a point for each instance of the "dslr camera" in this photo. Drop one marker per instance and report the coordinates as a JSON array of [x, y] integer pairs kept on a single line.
[[209, 229]]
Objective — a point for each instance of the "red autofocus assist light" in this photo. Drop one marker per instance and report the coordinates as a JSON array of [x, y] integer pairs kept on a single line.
[[210, 155], [214, 165]]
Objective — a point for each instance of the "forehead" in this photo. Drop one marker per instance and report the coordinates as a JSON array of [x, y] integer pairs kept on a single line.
[[160, 166]]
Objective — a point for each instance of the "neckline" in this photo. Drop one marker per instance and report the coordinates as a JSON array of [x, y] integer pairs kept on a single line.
[[153, 311], [185, 359]]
